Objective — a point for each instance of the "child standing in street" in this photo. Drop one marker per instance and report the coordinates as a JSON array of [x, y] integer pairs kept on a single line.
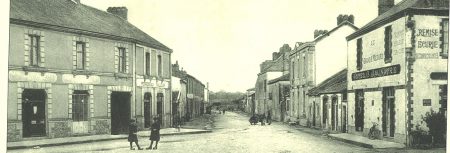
[[154, 135], [132, 134]]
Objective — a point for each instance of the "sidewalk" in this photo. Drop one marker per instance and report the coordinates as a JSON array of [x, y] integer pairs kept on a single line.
[[95, 138], [365, 142]]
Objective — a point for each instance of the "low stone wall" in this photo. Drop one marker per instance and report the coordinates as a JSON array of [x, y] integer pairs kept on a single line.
[[14, 131], [102, 126], [59, 129]]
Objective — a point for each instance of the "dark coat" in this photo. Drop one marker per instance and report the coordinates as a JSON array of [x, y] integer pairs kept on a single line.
[[154, 135], [132, 136]]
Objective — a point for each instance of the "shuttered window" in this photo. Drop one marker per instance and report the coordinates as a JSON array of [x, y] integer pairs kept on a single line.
[[359, 54], [388, 44]]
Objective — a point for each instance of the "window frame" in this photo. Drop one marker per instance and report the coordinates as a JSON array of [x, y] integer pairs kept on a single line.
[[83, 55], [147, 63], [34, 61], [159, 58], [122, 68]]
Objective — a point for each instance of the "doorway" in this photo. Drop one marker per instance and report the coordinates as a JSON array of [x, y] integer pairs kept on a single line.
[[334, 113], [34, 112], [314, 114], [324, 111], [359, 110], [147, 109], [159, 106], [120, 112], [344, 119], [388, 117]]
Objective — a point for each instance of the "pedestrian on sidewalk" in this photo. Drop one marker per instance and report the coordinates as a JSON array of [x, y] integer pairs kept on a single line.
[[132, 134], [154, 135], [269, 117]]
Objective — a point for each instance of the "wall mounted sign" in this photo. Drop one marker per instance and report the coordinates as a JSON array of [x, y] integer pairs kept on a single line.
[[438, 75], [375, 73], [426, 102]]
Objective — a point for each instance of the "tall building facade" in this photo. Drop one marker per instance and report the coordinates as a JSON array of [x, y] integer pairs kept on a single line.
[[397, 68], [69, 77]]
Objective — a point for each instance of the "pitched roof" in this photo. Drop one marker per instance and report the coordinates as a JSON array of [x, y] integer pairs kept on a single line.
[[281, 78], [334, 84], [397, 11], [80, 18]]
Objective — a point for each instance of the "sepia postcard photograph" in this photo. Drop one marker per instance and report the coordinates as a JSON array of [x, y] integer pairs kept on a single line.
[[224, 76]]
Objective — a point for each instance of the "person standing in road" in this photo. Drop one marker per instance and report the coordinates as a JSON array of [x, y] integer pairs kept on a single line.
[[223, 111], [154, 135], [132, 134]]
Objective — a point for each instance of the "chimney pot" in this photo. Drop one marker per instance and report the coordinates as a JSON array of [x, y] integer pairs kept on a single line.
[[119, 11]]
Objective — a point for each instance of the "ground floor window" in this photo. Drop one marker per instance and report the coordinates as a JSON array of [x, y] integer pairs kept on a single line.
[[80, 104], [388, 112]]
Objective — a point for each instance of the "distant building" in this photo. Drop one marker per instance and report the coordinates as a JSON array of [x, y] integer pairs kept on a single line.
[[397, 68], [70, 75], [250, 101], [195, 92]]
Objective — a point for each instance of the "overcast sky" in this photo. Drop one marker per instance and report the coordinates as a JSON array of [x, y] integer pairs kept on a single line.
[[224, 41]]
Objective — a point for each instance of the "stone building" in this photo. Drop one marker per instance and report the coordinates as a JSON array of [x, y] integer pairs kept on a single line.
[[270, 69], [70, 75], [397, 68], [279, 95], [310, 65]]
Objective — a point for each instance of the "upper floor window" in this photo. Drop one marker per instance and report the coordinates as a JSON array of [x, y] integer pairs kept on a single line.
[[293, 71], [388, 44], [304, 66], [122, 60], [159, 65], [359, 54], [147, 63], [81, 55], [444, 38], [34, 50]]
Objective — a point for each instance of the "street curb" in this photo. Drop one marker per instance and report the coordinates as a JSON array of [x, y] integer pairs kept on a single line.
[[352, 142], [98, 140], [64, 143]]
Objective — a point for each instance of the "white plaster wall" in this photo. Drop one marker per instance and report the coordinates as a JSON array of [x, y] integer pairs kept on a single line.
[[332, 48]]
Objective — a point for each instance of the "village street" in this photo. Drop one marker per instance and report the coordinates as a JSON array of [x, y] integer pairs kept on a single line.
[[232, 133]]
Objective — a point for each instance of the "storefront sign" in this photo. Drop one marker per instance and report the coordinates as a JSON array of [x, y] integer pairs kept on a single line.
[[438, 75], [375, 73], [427, 102], [427, 56]]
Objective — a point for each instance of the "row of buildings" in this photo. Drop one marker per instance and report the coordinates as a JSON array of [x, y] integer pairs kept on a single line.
[[76, 70], [389, 72]]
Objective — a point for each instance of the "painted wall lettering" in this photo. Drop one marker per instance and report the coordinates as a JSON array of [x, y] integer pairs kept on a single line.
[[427, 55], [374, 73]]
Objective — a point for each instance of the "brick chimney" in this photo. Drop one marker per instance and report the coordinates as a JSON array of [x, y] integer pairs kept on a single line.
[[275, 55], [119, 11], [317, 33], [385, 5], [341, 18]]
